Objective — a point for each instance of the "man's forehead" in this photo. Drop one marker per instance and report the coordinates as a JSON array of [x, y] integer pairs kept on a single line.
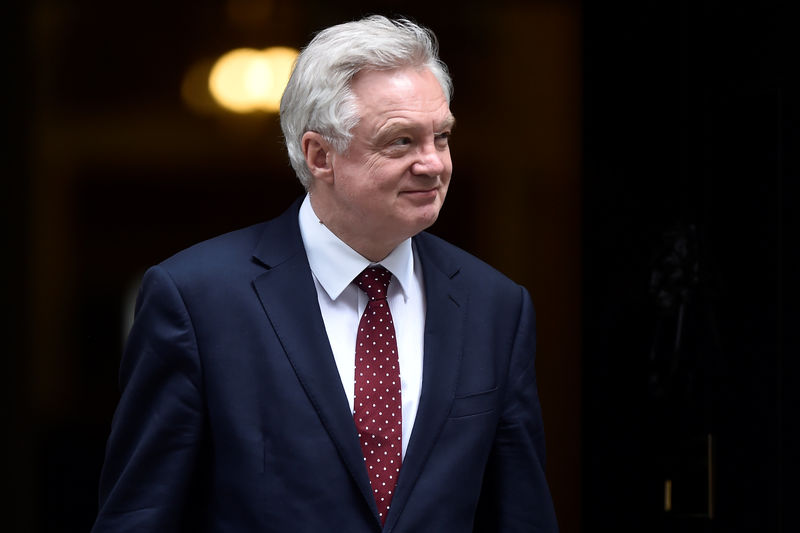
[[386, 87], [402, 99]]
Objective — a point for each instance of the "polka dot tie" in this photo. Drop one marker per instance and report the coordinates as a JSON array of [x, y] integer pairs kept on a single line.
[[377, 407]]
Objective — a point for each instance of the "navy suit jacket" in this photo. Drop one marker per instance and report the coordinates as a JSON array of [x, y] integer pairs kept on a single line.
[[233, 418]]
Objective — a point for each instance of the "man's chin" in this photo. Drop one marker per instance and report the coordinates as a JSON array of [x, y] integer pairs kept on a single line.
[[427, 220]]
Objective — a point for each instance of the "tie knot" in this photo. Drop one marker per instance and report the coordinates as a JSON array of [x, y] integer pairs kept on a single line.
[[374, 281]]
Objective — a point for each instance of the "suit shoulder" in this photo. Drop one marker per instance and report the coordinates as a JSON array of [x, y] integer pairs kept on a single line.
[[215, 254], [451, 257]]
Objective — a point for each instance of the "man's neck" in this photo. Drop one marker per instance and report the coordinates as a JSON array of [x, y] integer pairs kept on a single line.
[[350, 234]]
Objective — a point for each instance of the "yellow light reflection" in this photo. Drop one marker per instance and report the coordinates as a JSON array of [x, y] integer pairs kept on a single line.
[[281, 61], [247, 80]]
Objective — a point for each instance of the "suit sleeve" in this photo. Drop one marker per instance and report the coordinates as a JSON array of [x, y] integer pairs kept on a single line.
[[157, 428], [515, 496]]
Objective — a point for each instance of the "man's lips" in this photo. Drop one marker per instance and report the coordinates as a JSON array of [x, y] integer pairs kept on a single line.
[[422, 192]]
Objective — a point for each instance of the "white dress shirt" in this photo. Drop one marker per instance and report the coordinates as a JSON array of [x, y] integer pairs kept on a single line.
[[334, 266]]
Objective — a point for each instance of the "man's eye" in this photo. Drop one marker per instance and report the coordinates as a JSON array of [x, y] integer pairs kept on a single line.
[[402, 141], [442, 138]]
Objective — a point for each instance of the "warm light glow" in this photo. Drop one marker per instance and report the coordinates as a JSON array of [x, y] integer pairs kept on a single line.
[[246, 80], [281, 61]]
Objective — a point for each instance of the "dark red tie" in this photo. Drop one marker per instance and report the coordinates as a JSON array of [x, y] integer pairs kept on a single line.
[[377, 408]]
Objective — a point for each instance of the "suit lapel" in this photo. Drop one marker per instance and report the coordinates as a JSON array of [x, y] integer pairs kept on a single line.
[[289, 298], [444, 333]]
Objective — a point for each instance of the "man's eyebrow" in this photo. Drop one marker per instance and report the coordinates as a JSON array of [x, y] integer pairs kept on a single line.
[[396, 128], [448, 123]]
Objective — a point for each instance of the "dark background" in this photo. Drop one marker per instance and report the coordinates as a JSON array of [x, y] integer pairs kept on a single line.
[[634, 164], [690, 261]]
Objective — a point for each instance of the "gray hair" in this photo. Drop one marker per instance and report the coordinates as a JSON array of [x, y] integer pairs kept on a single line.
[[318, 96]]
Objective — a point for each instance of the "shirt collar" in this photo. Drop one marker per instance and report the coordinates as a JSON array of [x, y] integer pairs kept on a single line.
[[336, 265]]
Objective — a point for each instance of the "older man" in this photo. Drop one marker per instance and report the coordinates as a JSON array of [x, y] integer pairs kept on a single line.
[[336, 368]]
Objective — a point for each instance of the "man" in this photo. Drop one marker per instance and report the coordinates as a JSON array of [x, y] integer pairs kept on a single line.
[[336, 369]]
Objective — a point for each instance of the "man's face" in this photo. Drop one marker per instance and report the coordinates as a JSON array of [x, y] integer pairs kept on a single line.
[[392, 180]]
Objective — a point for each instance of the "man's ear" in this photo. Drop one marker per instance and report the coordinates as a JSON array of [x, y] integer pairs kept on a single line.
[[318, 153]]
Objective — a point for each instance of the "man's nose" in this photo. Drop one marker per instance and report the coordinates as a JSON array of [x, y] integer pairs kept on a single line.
[[431, 161]]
